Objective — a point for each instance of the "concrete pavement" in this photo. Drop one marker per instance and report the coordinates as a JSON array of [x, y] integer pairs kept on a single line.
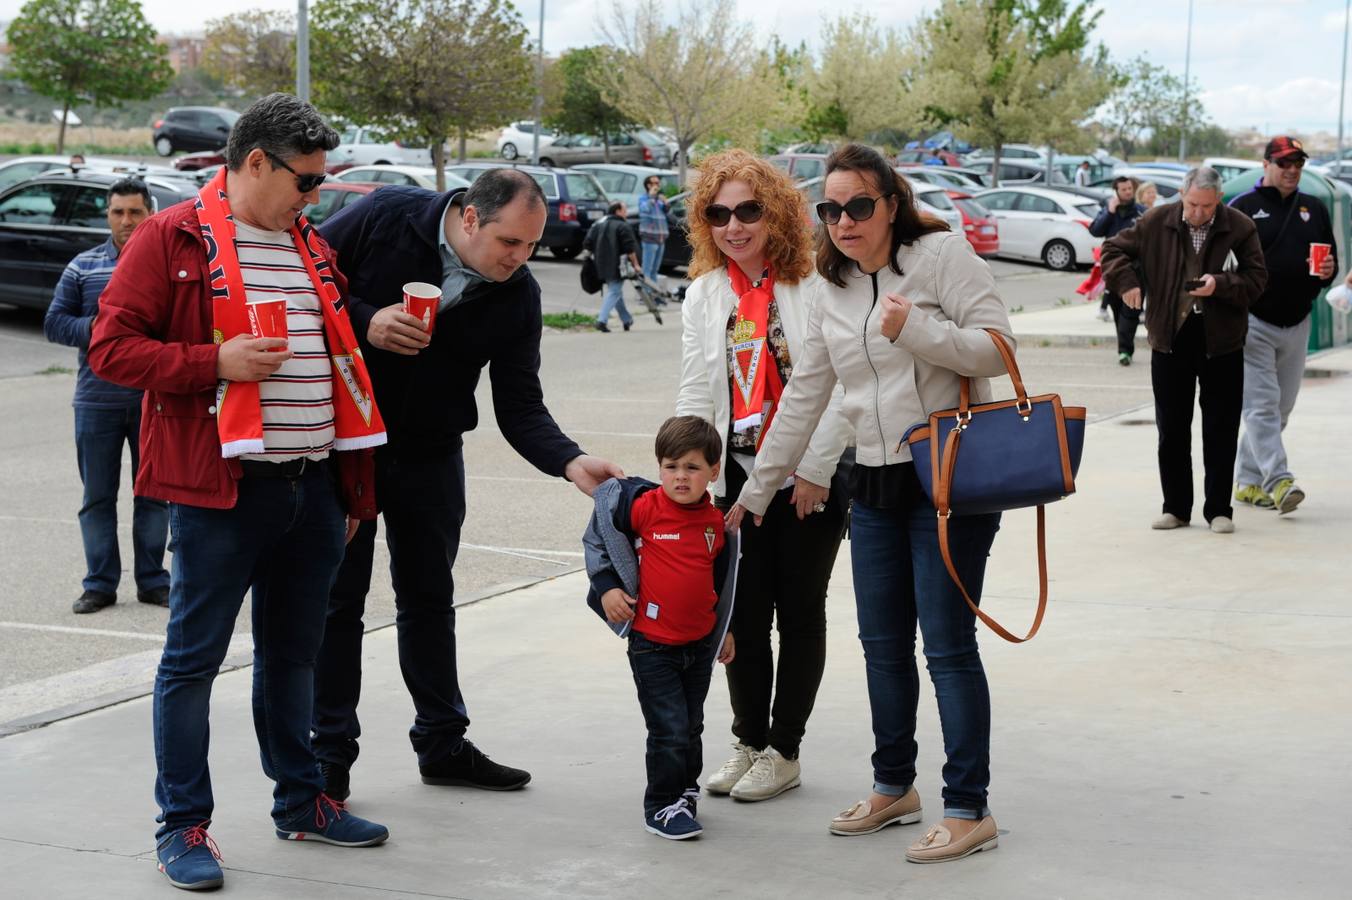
[[1177, 730]]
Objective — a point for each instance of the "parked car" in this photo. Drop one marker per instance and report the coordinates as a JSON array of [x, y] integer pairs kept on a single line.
[[625, 183], [929, 198], [575, 199], [945, 176], [641, 148], [1167, 181], [192, 162], [46, 221], [1229, 167], [518, 139], [943, 140], [1067, 165], [921, 156], [676, 253], [193, 128], [1025, 152], [418, 176], [800, 166], [334, 195], [1025, 172], [978, 223], [362, 146], [1180, 168], [1042, 224], [25, 167]]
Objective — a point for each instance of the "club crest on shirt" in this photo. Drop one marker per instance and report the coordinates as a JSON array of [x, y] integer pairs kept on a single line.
[[709, 539], [1304, 214]]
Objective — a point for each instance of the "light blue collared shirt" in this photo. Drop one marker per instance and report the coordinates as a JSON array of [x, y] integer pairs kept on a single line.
[[456, 277]]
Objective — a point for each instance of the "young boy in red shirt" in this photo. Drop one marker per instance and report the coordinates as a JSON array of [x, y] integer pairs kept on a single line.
[[666, 598]]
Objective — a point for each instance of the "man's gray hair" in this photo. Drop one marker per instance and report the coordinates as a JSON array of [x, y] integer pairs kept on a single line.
[[1204, 177], [281, 125], [497, 188]]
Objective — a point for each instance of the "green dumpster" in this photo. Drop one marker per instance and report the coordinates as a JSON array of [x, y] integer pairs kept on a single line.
[[1328, 327]]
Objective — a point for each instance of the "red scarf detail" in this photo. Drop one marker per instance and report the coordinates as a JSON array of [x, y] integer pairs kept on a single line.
[[755, 373], [239, 415]]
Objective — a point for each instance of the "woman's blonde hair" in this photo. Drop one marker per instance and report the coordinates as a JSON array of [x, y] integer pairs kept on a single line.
[[788, 245]]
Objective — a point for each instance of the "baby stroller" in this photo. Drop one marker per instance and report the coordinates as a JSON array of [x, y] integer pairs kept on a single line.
[[650, 292]]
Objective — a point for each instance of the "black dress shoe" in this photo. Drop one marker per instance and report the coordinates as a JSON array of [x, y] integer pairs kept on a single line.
[[628, 325], [93, 601], [468, 767], [602, 327], [155, 597], [337, 783]]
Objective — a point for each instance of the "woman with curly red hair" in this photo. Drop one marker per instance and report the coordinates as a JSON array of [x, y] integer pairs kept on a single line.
[[745, 322]]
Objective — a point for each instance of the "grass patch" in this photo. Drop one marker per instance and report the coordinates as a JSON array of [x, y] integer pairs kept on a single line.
[[1016, 309], [1062, 301], [57, 370], [569, 320]]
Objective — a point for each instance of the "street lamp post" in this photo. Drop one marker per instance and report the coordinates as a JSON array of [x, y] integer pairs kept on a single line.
[[303, 50], [1187, 72], [1342, 91], [539, 87]]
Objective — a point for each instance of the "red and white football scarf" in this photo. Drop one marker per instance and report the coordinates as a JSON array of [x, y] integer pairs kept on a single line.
[[755, 374], [239, 415]]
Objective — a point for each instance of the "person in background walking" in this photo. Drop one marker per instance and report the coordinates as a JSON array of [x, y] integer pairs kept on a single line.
[[652, 226], [1202, 265], [1288, 223], [1120, 212], [610, 240], [1082, 174], [106, 417]]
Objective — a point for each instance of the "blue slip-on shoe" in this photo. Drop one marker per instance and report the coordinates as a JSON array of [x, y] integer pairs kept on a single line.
[[329, 822], [188, 858], [675, 822]]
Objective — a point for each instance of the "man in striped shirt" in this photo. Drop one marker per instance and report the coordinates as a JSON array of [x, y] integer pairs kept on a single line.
[[106, 417]]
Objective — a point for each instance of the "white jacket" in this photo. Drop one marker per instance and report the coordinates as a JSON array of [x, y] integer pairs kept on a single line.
[[709, 302], [888, 386]]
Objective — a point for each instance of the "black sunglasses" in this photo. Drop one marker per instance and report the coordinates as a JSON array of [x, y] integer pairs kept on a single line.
[[746, 212], [304, 183], [1288, 163], [860, 209]]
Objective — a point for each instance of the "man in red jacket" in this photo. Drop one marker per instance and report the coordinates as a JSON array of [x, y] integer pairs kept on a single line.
[[239, 437]]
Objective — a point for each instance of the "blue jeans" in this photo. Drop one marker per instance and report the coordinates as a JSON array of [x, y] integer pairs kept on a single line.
[[672, 682], [899, 580], [423, 505], [613, 299], [99, 436], [283, 538], [652, 259]]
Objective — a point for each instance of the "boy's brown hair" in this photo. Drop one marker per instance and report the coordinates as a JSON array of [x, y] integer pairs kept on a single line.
[[681, 434]]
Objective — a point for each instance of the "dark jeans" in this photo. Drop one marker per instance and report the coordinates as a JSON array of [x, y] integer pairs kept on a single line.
[[99, 437], [1175, 377], [782, 577], [423, 503], [1126, 319], [899, 581], [672, 682], [283, 538]]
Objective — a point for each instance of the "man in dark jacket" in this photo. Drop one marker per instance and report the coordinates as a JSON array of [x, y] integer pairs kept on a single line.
[[1279, 323], [473, 243], [609, 241], [1120, 212], [1202, 266]]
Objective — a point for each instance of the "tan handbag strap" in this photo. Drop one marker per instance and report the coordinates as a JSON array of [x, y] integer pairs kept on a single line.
[[942, 493], [1012, 367]]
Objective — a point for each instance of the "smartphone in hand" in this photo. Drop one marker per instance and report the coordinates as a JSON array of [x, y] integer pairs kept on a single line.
[[1194, 284]]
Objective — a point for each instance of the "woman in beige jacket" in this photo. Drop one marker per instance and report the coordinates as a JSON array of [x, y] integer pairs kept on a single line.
[[899, 320], [745, 320]]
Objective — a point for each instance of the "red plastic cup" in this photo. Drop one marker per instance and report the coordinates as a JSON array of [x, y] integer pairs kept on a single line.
[[1318, 253], [420, 301], [267, 318]]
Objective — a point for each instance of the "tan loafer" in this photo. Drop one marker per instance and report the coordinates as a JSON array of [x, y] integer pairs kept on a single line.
[[863, 819], [938, 844]]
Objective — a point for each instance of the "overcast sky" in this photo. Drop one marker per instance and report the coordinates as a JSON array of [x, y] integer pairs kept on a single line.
[[1269, 64]]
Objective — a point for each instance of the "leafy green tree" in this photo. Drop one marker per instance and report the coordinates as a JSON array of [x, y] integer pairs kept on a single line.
[[1002, 70], [422, 70], [856, 88], [254, 51], [99, 52], [1146, 112], [582, 105]]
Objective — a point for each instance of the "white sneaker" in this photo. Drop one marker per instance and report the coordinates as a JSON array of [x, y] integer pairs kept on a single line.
[[1223, 525], [770, 775], [726, 778], [1167, 522]]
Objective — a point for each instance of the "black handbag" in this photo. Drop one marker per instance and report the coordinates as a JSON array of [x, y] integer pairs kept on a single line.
[[1008, 454]]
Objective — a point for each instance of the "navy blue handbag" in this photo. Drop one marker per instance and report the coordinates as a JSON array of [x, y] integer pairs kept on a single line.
[[991, 457]]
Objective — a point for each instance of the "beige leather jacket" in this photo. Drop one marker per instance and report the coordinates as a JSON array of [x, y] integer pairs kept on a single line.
[[888, 386], [709, 301]]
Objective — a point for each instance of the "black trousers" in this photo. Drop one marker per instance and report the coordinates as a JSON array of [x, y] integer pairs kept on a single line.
[[1175, 378], [1126, 319], [423, 506], [782, 578]]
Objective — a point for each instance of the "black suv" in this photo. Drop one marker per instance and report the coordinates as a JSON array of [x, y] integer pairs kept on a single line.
[[576, 200], [193, 128], [46, 221]]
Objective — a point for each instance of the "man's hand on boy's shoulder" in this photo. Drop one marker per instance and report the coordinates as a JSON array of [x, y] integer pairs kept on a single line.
[[618, 606], [728, 651]]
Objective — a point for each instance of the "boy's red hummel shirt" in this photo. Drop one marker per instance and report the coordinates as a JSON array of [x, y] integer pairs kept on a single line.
[[677, 546]]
